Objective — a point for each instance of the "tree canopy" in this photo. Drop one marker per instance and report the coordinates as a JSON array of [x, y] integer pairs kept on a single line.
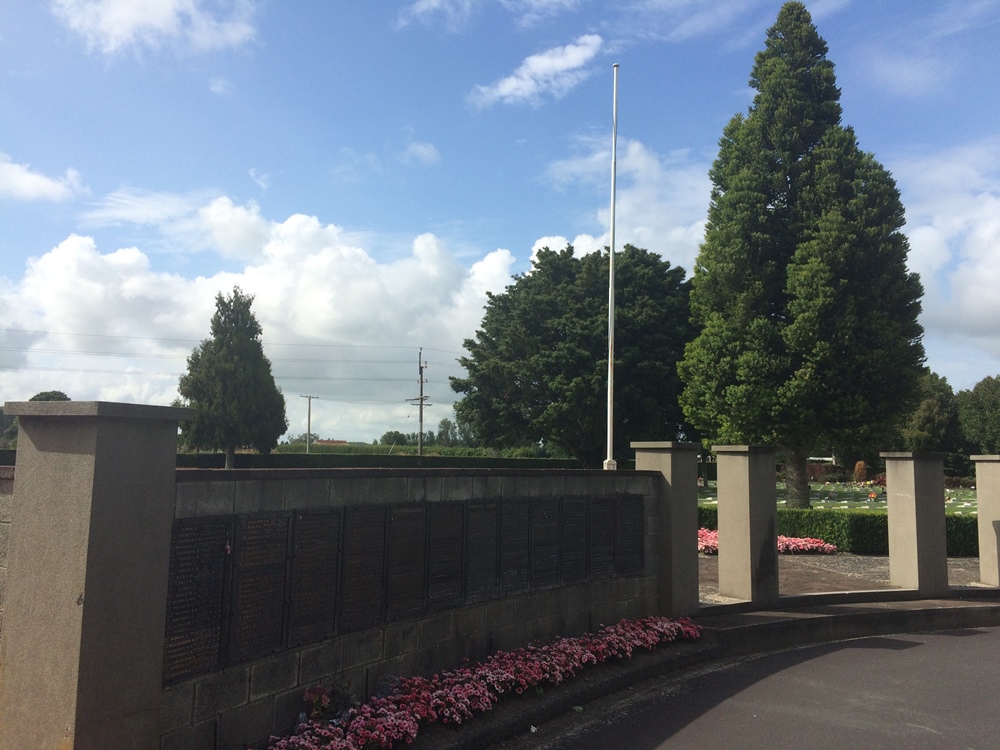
[[979, 415], [537, 367], [230, 386], [807, 314]]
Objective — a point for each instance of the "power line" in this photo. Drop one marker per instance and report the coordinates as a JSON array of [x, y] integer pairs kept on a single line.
[[196, 341]]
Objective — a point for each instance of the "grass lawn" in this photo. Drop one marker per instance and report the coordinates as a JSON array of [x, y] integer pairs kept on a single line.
[[849, 496]]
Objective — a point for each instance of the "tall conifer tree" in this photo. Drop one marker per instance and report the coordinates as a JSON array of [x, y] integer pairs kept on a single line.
[[230, 386], [808, 316]]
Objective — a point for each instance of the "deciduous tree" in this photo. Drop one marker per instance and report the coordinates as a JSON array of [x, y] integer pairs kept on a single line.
[[537, 367], [807, 313], [230, 386], [979, 415]]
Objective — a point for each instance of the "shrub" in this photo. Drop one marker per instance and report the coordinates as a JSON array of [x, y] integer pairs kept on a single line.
[[963, 535], [862, 532]]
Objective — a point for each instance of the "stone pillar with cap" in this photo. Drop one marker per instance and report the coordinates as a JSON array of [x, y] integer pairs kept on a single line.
[[88, 558], [677, 536], [748, 518], [918, 547]]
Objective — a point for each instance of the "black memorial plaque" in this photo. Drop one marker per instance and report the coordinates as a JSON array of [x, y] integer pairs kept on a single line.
[[573, 546], [446, 555], [315, 568], [406, 588], [602, 537], [629, 535], [196, 594], [544, 542], [259, 577], [515, 545], [364, 568], [481, 551]]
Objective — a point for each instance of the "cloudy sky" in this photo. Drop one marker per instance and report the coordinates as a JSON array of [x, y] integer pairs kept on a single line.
[[369, 170]]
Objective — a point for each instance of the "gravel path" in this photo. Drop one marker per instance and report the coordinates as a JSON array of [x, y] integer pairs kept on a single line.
[[807, 574]]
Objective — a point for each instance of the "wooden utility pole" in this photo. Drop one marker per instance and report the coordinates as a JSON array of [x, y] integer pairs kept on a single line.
[[421, 400], [309, 420]]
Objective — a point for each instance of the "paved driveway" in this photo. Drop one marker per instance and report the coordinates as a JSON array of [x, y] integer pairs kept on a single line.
[[932, 690]]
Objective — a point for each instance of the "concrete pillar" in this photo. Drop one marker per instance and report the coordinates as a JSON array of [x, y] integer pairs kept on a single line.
[[918, 549], [677, 576], [988, 501], [87, 575], [748, 523]]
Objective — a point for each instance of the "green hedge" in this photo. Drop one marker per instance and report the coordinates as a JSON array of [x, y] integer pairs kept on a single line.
[[862, 532]]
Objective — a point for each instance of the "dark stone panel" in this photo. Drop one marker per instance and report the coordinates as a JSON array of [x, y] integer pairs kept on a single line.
[[630, 536], [406, 586], [602, 537], [573, 540], [481, 551], [260, 574], [446, 553], [544, 542], [196, 597], [364, 567], [315, 574], [515, 545]]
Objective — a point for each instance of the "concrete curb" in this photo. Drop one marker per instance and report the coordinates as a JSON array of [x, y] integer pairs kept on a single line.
[[727, 633]]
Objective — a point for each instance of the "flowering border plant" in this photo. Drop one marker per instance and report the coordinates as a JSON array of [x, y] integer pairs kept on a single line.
[[708, 544], [452, 697]]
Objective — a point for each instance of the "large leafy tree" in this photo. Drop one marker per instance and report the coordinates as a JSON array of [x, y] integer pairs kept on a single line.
[[230, 386], [979, 415], [537, 367], [933, 425], [807, 313]]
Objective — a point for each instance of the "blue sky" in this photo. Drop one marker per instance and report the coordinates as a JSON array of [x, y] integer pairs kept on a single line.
[[369, 170]]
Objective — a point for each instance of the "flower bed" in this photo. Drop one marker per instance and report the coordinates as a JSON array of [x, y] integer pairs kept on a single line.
[[708, 544], [455, 696]]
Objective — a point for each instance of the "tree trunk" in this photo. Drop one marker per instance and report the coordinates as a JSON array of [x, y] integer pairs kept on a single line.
[[230, 456], [796, 479]]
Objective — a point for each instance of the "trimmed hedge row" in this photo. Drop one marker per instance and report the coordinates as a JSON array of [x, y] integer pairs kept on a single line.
[[862, 532]]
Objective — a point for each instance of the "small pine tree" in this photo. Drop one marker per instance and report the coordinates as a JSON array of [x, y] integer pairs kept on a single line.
[[230, 386]]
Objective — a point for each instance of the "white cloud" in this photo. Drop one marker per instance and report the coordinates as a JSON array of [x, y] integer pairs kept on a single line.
[[530, 12], [113, 25], [554, 72], [21, 182], [131, 206], [262, 180], [952, 201], [421, 152], [661, 200], [337, 323], [915, 74], [456, 13], [219, 85]]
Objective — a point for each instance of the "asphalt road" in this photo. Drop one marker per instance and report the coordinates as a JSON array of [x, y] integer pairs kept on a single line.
[[929, 690]]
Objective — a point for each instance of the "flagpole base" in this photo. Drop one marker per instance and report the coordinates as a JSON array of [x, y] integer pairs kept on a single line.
[[610, 465]]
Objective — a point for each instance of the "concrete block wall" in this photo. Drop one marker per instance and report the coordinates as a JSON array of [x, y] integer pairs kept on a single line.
[[242, 705], [6, 498]]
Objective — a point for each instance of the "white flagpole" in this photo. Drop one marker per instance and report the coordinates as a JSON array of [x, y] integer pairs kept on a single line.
[[609, 462]]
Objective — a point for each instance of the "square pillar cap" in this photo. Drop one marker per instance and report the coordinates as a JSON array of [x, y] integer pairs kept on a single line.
[[665, 445], [985, 459], [743, 449], [913, 456], [100, 409]]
